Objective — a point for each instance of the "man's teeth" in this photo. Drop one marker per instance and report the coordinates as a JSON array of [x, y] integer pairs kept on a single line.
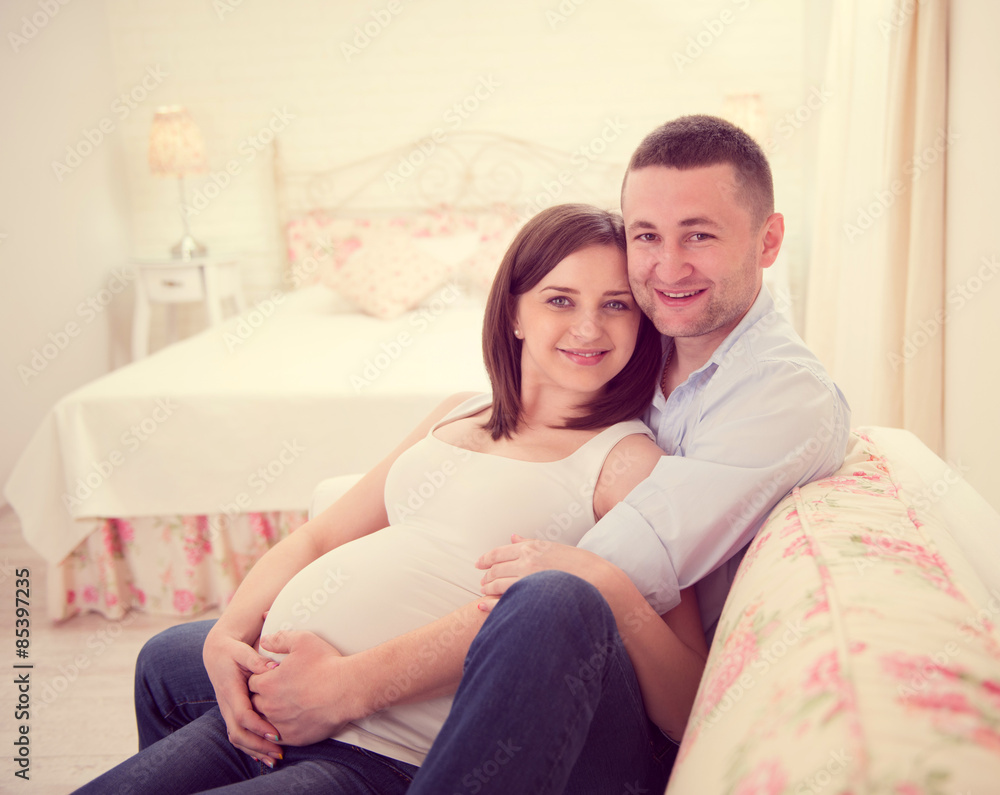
[[682, 295]]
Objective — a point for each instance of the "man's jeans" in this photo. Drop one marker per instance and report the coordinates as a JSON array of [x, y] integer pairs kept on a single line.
[[548, 702]]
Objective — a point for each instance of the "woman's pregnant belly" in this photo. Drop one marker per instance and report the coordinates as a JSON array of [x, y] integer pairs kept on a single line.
[[373, 589]]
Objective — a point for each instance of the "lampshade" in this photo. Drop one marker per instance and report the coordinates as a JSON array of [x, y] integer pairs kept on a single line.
[[175, 144], [747, 112]]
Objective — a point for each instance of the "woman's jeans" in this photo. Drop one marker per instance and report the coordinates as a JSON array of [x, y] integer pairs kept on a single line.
[[200, 758], [548, 703]]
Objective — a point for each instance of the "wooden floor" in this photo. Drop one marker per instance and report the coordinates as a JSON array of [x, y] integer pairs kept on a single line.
[[81, 720]]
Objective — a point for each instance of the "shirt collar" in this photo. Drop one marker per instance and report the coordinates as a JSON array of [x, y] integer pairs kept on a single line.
[[763, 304]]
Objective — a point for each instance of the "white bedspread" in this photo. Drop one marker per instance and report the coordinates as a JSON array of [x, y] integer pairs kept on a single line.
[[248, 416]]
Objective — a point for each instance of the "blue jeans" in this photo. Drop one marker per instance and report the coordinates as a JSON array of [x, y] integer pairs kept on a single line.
[[172, 687], [200, 758], [548, 702]]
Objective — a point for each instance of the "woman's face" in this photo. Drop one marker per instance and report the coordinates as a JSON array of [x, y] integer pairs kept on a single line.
[[579, 324]]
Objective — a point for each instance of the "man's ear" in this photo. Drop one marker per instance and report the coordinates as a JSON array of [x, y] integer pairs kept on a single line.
[[772, 233]]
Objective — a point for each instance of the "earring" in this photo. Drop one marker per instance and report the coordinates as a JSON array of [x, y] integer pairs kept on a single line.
[[517, 333]]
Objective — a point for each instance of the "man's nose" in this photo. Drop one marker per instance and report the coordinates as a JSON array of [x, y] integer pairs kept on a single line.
[[670, 263]]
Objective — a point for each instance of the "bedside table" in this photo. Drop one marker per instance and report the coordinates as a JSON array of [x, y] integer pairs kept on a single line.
[[208, 280]]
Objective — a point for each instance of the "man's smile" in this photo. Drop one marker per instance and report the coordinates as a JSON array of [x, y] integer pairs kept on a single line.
[[678, 297]]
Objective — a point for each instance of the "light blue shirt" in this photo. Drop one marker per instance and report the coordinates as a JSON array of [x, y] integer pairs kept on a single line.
[[759, 418]]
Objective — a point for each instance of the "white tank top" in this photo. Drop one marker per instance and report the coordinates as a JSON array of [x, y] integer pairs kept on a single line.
[[447, 506]]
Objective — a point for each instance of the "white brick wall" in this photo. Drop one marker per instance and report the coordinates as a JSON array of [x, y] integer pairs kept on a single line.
[[562, 69]]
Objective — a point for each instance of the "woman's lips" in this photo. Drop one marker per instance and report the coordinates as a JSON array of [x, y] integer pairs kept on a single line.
[[583, 357]]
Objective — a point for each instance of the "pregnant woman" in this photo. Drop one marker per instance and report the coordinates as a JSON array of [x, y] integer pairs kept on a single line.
[[572, 362]]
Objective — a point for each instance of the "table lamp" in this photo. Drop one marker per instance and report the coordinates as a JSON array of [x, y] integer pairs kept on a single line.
[[175, 150]]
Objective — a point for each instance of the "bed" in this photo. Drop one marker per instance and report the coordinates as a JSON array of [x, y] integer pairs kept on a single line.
[[157, 486]]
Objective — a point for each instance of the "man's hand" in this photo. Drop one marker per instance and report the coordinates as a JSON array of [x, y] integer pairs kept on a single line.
[[508, 564], [230, 662], [312, 694]]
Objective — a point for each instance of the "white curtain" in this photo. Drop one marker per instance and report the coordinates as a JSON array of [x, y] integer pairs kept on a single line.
[[875, 308]]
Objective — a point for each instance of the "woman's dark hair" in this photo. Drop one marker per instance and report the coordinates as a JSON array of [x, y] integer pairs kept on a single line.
[[540, 245]]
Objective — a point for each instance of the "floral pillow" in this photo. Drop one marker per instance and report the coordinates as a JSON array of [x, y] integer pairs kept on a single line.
[[496, 231], [388, 276], [388, 265], [317, 241]]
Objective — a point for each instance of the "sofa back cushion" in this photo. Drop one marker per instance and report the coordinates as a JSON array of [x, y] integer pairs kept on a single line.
[[857, 652]]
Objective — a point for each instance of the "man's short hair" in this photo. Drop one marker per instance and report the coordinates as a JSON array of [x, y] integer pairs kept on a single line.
[[698, 141]]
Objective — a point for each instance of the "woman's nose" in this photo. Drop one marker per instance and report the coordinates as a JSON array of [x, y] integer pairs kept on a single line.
[[587, 327]]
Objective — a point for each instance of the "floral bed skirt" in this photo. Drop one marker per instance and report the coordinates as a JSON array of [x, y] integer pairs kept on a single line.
[[169, 565]]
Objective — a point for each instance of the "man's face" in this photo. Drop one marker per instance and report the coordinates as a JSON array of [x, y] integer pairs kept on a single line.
[[694, 254]]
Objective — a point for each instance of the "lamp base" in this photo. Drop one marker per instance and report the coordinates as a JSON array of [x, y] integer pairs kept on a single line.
[[188, 248]]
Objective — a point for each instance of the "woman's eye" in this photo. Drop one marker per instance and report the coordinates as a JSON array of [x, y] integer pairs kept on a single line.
[[559, 300], [618, 306]]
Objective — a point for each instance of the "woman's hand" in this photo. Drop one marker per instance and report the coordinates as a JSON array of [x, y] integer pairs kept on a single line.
[[230, 662], [508, 564]]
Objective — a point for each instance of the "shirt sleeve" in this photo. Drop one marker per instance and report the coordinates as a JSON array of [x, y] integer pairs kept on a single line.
[[755, 439]]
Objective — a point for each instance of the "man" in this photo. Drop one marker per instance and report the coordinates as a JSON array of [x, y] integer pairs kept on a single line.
[[745, 413], [548, 700]]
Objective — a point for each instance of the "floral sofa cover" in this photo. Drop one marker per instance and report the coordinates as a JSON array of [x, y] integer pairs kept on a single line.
[[857, 652]]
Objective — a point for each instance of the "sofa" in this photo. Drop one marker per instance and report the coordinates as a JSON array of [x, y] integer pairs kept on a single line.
[[858, 650]]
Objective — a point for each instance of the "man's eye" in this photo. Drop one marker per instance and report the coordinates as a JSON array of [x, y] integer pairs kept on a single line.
[[646, 237], [699, 237]]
